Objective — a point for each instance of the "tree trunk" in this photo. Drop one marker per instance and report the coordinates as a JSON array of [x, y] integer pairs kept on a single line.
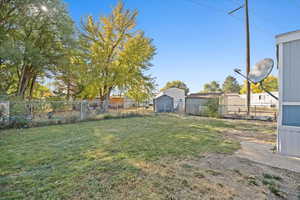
[[23, 82], [31, 86], [104, 98], [23, 85]]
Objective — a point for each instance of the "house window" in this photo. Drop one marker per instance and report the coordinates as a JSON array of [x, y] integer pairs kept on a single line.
[[291, 115]]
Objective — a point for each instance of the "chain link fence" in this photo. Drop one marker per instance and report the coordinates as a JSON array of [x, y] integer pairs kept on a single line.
[[257, 112], [22, 114]]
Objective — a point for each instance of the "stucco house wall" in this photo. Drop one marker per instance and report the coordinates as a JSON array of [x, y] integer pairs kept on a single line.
[[262, 99]]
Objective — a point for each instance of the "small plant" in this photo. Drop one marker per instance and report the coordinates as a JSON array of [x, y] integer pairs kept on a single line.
[[252, 180], [185, 183], [220, 185], [3, 116], [274, 189], [238, 172], [56, 106], [213, 172], [274, 149], [187, 166], [2, 111], [19, 121], [269, 181], [270, 176], [72, 119], [108, 116], [199, 175], [18, 108]]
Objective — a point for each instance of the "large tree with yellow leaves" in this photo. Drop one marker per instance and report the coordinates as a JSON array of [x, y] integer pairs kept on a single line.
[[115, 54], [270, 83]]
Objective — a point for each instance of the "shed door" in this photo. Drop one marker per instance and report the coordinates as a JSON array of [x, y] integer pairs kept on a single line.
[[164, 104]]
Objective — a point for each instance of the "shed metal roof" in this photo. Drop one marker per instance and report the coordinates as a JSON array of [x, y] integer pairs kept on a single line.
[[205, 95]]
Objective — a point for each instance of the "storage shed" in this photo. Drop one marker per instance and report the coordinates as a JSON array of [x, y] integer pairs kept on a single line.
[[178, 96], [195, 104], [288, 52], [164, 103]]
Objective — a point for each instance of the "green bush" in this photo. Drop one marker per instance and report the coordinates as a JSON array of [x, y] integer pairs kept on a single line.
[[20, 113], [4, 98], [3, 116], [20, 122], [57, 106], [2, 111], [57, 103], [18, 108], [211, 108]]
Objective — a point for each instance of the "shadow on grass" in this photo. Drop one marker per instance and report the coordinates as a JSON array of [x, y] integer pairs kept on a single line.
[[97, 159]]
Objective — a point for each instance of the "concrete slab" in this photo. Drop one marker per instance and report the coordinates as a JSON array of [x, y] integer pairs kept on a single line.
[[263, 153]]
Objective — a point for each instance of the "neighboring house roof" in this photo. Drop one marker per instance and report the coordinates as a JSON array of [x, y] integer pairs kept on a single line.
[[231, 94], [263, 93], [172, 92], [164, 95], [207, 95]]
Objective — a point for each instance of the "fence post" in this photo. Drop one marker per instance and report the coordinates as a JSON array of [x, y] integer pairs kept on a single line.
[[220, 110], [8, 113], [81, 111], [31, 110]]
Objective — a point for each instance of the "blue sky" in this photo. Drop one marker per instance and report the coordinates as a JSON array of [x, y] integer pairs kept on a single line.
[[196, 40]]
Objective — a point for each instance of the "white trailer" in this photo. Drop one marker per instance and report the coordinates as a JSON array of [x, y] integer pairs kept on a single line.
[[288, 52]]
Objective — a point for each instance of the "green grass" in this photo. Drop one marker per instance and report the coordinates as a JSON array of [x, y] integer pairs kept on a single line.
[[101, 159]]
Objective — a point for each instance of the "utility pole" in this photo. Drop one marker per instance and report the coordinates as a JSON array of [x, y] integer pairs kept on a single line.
[[248, 56], [247, 51]]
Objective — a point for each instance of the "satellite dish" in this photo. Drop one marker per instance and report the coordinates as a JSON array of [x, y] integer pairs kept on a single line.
[[261, 70]]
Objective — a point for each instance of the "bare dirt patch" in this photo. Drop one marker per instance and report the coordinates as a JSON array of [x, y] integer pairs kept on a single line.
[[218, 176], [250, 130], [260, 131]]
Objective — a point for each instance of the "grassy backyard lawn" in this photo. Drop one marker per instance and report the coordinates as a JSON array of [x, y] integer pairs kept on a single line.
[[108, 159]]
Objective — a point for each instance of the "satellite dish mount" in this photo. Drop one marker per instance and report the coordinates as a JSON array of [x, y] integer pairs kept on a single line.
[[259, 73]]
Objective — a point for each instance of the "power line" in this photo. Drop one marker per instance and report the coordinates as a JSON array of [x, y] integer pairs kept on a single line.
[[206, 5], [265, 18], [233, 11], [225, 12]]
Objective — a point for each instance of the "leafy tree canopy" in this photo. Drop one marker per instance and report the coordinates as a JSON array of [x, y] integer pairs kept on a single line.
[[270, 83], [176, 84], [34, 37], [38, 41], [213, 86], [115, 55], [231, 85]]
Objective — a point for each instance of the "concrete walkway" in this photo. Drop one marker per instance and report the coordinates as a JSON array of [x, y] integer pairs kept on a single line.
[[262, 153]]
